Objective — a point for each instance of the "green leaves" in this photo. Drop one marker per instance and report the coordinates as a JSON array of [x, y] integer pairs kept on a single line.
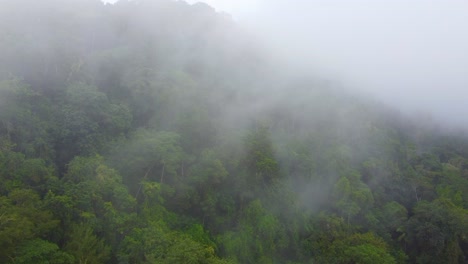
[[148, 156], [42, 252], [260, 159], [85, 120], [23, 217], [435, 229], [24, 119], [85, 246], [356, 248], [352, 195], [123, 142], [258, 238], [155, 243], [16, 171]]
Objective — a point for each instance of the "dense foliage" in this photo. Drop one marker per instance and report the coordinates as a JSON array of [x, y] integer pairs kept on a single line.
[[157, 132]]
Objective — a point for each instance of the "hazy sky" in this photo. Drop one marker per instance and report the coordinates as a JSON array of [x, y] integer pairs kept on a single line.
[[410, 53]]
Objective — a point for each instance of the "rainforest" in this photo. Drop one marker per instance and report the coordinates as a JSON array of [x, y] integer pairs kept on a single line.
[[162, 132]]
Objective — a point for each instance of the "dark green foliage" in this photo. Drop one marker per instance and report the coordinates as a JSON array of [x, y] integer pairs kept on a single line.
[[43, 252], [260, 160], [153, 131], [436, 231], [85, 121], [24, 118]]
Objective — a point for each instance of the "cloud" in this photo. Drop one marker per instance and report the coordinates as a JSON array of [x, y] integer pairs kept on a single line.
[[411, 54]]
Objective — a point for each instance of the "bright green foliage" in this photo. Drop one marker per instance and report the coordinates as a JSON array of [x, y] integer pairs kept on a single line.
[[362, 248], [19, 172], [157, 244], [357, 248], [98, 197], [42, 252], [85, 246], [23, 217]]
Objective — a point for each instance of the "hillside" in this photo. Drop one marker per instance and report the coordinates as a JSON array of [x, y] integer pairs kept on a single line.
[[160, 132]]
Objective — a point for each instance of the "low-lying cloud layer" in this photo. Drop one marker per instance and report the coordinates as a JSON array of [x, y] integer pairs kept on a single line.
[[410, 54]]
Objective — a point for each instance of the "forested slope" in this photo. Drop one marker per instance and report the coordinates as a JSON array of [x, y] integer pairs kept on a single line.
[[159, 132]]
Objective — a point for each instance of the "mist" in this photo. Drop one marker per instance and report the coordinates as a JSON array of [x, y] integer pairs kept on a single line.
[[411, 55], [161, 131]]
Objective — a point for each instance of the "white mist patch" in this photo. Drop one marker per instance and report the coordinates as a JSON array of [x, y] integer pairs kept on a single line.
[[412, 55]]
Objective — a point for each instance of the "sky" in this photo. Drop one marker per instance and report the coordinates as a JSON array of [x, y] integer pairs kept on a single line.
[[412, 55]]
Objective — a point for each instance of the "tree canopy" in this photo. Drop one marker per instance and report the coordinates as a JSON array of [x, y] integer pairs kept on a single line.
[[154, 131]]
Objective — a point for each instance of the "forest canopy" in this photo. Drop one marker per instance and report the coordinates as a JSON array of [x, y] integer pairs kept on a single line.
[[160, 132]]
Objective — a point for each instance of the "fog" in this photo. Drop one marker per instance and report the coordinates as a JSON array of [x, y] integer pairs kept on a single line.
[[412, 55], [161, 131]]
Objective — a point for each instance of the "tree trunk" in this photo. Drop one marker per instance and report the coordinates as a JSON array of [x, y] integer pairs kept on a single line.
[[162, 173], [144, 178]]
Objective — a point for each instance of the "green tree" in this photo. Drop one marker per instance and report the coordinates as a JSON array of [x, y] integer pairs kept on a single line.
[[41, 252], [85, 121], [24, 119], [85, 246], [23, 217], [148, 156], [436, 232], [260, 158], [258, 238], [352, 195]]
